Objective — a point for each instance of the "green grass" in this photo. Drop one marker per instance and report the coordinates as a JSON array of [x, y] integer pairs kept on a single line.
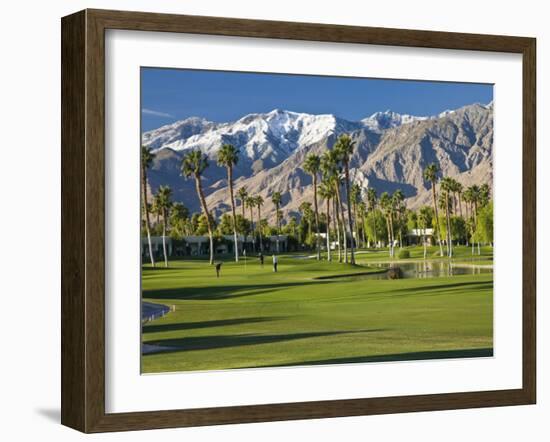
[[255, 318]]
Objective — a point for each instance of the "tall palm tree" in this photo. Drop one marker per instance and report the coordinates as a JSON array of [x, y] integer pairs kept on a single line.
[[312, 165], [331, 174], [251, 203], [476, 194], [430, 175], [386, 205], [424, 217], [447, 186], [259, 202], [399, 208], [345, 147], [362, 209], [326, 192], [193, 165], [164, 195], [307, 215], [372, 200], [242, 194], [276, 200], [228, 156], [147, 158], [355, 197]]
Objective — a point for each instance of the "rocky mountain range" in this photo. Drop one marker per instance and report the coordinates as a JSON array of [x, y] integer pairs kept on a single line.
[[391, 152]]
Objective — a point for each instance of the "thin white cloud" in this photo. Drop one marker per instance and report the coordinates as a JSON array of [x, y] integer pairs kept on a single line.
[[156, 113]]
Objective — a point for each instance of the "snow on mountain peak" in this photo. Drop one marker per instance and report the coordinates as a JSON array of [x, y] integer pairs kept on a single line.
[[386, 120], [268, 136]]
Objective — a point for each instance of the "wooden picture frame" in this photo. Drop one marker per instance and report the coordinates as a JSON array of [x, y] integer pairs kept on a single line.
[[83, 220]]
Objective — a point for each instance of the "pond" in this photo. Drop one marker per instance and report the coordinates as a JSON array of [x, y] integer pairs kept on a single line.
[[422, 269]]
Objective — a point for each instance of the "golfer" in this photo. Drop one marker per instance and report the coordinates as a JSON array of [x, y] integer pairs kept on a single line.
[[275, 262], [261, 256], [218, 269]]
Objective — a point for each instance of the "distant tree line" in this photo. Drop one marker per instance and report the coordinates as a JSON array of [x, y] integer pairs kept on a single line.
[[341, 212]]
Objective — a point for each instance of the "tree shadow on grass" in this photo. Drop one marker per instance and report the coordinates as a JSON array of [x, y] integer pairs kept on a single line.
[[207, 324], [213, 293], [225, 341], [413, 356]]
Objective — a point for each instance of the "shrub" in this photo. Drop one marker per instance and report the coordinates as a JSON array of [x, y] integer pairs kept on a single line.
[[404, 254]]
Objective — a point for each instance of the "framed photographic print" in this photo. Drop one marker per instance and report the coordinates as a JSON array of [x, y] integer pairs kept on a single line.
[[268, 221]]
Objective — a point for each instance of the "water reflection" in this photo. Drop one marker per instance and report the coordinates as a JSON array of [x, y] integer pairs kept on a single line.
[[425, 269]]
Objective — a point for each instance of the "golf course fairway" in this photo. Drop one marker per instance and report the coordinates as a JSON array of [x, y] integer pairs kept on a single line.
[[253, 317]]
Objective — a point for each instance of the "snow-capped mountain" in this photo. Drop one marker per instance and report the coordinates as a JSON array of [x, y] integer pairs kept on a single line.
[[268, 138], [380, 121], [391, 152]]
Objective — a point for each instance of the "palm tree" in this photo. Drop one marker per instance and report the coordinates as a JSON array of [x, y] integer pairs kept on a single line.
[[362, 208], [242, 194], [371, 199], [424, 217], [193, 165], [251, 203], [399, 208], [355, 197], [326, 192], [430, 175], [476, 195], [307, 215], [331, 172], [259, 202], [386, 205], [345, 146], [164, 195], [484, 194], [312, 165], [447, 187], [228, 156], [147, 158], [276, 200], [179, 215], [156, 210]]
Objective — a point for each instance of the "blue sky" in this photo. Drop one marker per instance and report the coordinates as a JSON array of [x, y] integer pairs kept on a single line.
[[168, 95]]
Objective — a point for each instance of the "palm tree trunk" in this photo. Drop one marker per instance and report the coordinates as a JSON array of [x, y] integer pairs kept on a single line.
[[475, 226], [391, 230], [278, 225], [449, 237], [358, 239], [350, 218], [164, 237], [336, 221], [206, 214], [342, 220], [259, 226], [317, 239], [252, 231], [363, 236], [374, 226], [230, 179], [389, 233], [329, 258], [146, 208], [438, 230], [424, 240]]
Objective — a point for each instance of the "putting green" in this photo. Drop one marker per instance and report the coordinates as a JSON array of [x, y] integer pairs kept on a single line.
[[253, 317]]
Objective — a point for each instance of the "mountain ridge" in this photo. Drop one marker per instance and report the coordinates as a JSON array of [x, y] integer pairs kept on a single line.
[[391, 151]]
